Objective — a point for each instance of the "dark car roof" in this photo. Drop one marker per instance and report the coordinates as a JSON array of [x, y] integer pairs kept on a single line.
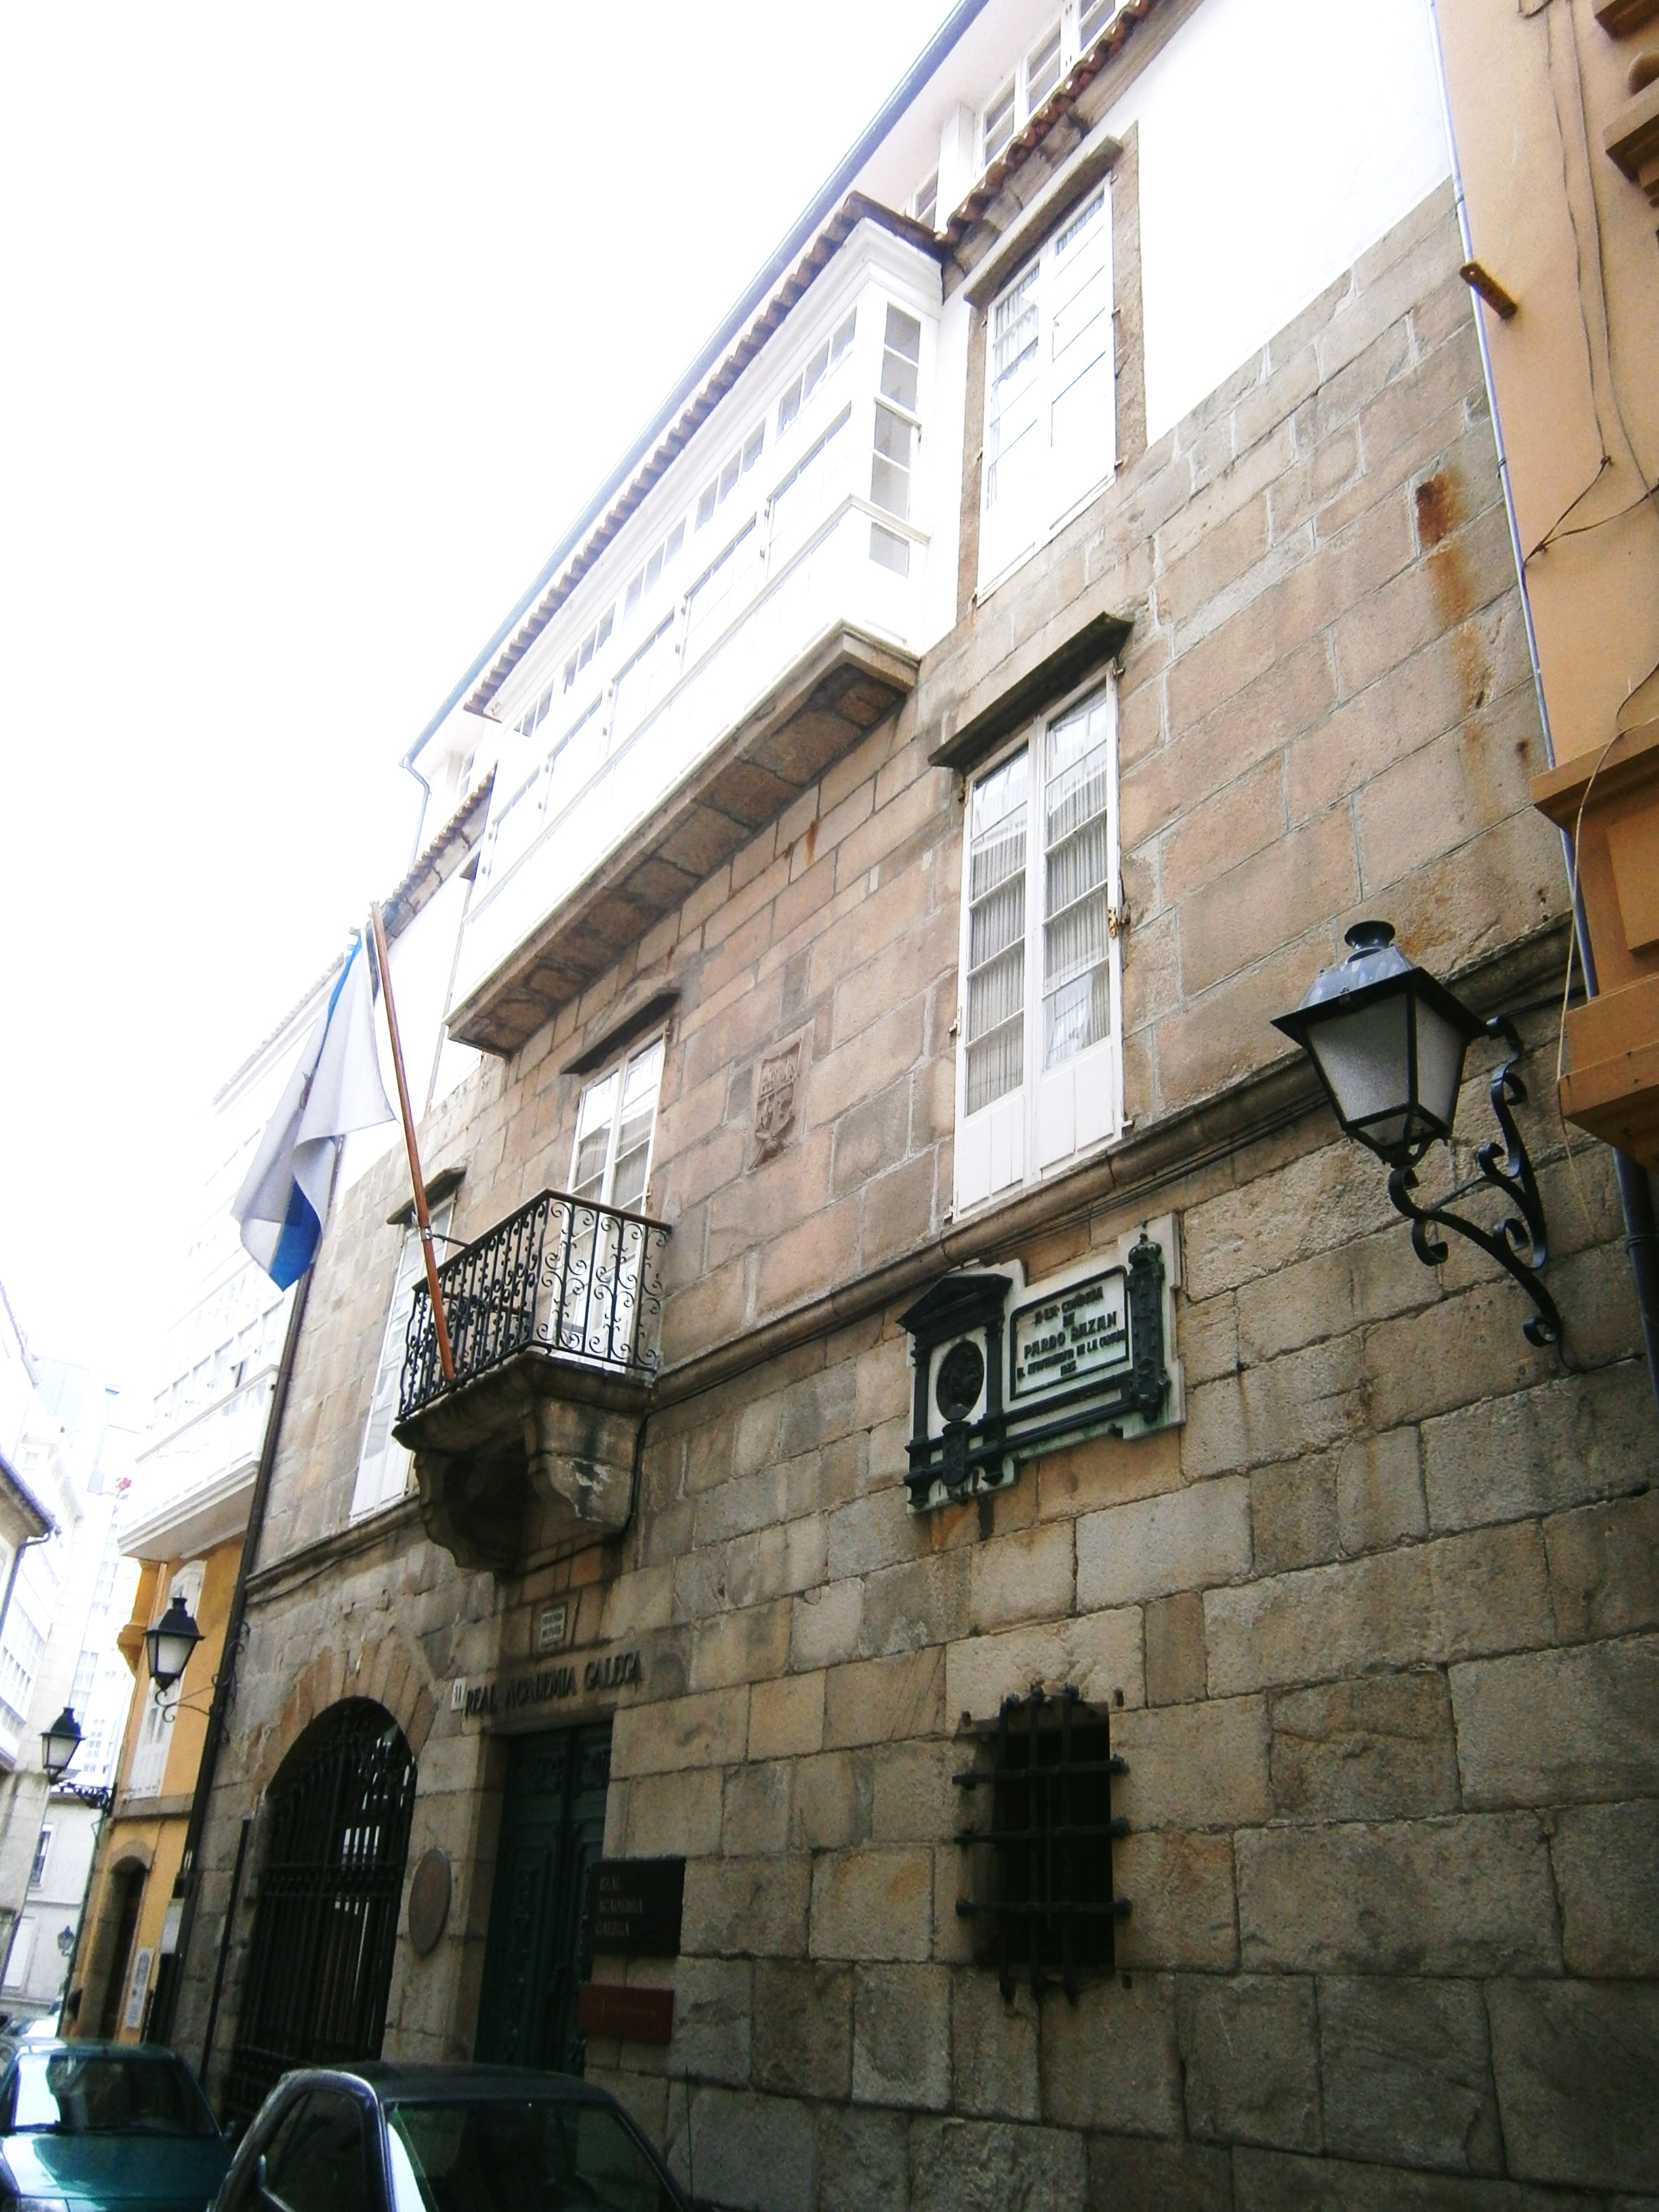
[[394, 2079]]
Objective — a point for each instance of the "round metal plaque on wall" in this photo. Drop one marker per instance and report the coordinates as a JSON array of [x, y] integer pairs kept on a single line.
[[428, 1901]]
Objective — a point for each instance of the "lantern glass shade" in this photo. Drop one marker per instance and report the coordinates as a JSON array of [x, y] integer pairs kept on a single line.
[[1388, 1043], [168, 1645], [60, 1743]]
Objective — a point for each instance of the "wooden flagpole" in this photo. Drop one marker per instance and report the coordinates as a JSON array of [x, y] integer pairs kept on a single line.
[[446, 1356]]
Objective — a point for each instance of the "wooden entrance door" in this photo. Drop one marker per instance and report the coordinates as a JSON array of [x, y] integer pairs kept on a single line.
[[552, 1831]]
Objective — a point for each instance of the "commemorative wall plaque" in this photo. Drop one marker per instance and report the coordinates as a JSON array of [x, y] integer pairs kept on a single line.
[[428, 1901], [631, 2014], [635, 1906], [1006, 1369]]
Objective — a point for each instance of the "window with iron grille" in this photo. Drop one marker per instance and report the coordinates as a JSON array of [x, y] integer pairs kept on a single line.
[[1043, 1906]]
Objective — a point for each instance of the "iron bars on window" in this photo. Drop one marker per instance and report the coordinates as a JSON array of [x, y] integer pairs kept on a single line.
[[1044, 1902], [561, 1275]]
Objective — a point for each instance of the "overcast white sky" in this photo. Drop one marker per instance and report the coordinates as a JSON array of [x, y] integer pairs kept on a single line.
[[321, 322]]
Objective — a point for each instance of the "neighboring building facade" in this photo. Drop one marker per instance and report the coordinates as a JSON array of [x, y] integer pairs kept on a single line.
[[181, 1530], [920, 1339], [90, 1593], [64, 1596], [1556, 113], [186, 1508], [27, 1523]]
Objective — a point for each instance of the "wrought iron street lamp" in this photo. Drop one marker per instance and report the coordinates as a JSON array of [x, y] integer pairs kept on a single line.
[[168, 1645], [1388, 1041], [59, 1745]]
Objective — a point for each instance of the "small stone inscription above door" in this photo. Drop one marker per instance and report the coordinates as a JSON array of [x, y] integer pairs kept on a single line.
[[777, 1085]]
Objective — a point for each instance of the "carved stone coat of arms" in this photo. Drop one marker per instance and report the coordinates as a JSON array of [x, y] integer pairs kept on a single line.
[[775, 1091]]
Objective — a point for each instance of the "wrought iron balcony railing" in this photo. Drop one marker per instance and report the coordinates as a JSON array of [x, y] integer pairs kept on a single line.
[[561, 1275]]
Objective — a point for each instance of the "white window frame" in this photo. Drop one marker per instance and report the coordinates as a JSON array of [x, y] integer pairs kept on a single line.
[[20, 1953], [1053, 1117], [734, 545], [42, 1855], [1018, 84], [152, 1739], [589, 647], [744, 456], [1053, 481], [619, 1066], [383, 1471], [643, 584]]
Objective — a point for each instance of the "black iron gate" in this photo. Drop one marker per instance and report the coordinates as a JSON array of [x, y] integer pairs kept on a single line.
[[320, 1964], [552, 1831]]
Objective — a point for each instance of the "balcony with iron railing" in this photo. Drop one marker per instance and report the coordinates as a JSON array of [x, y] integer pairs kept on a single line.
[[552, 1318]]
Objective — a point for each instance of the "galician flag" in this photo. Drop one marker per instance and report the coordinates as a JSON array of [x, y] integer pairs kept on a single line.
[[335, 1088]]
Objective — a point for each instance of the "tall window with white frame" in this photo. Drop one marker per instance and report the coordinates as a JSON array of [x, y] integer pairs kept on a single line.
[[616, 1121], [147, 1769], [1039, 1063], [1049, 430], [898, 433], [382, 1464], [610, 1166]]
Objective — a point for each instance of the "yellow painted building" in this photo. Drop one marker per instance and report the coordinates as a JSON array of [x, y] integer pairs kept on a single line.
[[1555, 114], [129, 1945]]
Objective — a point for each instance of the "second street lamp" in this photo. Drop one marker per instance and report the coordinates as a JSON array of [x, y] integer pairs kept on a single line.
[[59, 1745], [168, 1645]]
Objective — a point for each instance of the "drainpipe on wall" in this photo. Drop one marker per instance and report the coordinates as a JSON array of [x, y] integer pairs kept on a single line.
[[187, 1887], [1635, 1191]]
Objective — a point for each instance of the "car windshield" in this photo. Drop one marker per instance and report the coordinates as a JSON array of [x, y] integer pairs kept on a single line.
[[62, 2092], [554, 2154]]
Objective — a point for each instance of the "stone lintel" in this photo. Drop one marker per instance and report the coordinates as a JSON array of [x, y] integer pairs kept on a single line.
[[999, 707]]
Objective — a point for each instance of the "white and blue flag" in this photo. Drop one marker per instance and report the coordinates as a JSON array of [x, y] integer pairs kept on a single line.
[[336, 1089]]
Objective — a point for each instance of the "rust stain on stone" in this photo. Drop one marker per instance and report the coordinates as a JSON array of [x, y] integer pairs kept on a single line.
[[811, 840], [1439, 504], [1439, 509], [1474, 664], [1452, 585]]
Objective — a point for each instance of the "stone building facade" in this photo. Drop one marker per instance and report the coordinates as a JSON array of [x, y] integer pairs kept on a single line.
[[1364, 1607]]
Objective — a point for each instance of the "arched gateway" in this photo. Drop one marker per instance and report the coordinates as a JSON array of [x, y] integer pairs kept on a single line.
[[319, 1966]]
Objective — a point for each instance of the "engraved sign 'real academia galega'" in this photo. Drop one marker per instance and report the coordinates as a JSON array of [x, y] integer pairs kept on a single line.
[[617, 1670]]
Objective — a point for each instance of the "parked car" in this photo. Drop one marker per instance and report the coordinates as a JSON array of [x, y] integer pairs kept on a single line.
[[105, 2127], [382, 2137]]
